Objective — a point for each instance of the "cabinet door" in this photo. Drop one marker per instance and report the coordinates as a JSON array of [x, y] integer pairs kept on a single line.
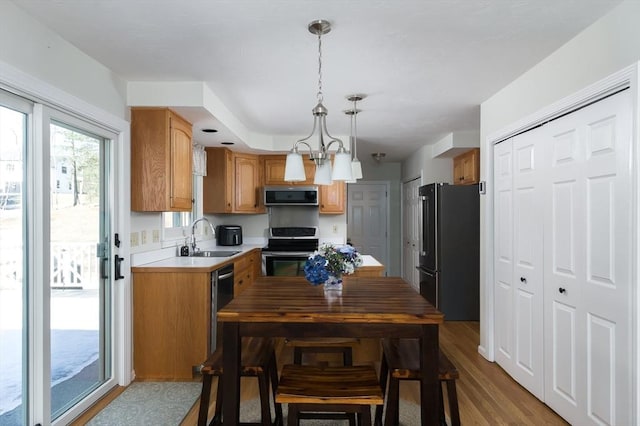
[[466, 168], [332, 198], [274, 166], [217, 185], [161, 172], [246, 183], [181, 165], [171, 315], [458, 171]]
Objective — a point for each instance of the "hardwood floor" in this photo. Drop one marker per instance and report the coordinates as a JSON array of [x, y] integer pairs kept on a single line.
[[486, 394]]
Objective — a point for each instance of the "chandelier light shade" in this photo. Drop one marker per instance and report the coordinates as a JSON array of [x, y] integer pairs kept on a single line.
[[323, 174], [294, 169], [356, 166]]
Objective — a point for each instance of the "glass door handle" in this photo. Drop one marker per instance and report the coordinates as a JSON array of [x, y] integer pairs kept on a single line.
[[118, 264]]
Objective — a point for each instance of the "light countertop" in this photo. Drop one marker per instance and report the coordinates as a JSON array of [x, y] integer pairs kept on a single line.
[[208, 264]]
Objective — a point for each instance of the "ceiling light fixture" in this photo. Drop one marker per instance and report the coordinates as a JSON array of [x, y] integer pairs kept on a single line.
[[294, 168], [356, 167], [378, 156]]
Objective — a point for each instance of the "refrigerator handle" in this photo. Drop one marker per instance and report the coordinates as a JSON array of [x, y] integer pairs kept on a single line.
[[426, 271]]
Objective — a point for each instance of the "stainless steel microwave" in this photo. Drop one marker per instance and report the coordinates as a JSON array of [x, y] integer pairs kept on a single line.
[[291, 196]]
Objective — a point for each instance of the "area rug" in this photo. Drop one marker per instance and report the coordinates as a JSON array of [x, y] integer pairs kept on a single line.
[[150, 403]]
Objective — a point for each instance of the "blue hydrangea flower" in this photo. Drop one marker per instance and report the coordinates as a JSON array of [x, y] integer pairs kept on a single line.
[[329, 260]]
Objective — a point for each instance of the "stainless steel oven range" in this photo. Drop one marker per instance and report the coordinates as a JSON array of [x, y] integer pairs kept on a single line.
[[288, 250]]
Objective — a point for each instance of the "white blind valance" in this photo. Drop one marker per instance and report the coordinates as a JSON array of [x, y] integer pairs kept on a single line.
[[199, 160]]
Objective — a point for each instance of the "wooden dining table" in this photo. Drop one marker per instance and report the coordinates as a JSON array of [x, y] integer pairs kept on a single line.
[[365, 307]]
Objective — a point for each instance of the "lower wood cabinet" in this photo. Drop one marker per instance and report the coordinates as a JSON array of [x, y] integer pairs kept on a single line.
[[245, 271], [171, 315], [368, 271]]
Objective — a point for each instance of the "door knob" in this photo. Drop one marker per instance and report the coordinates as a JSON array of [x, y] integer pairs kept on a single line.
[[523, 280], [562, 290]]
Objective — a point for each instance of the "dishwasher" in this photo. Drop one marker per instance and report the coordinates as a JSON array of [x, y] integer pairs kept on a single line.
[[221, 294]]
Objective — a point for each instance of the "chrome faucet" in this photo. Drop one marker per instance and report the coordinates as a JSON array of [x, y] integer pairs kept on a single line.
[[194, 248]]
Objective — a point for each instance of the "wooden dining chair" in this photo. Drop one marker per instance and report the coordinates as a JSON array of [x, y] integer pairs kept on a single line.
[[313, 345], [258, 359], [318, 392], [401, 361]]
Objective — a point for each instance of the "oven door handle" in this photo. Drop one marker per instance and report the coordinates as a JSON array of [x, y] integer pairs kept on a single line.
[[286, 253], [225, 276]]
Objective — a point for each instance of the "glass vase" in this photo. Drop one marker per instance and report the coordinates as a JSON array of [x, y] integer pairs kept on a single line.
[[333, 283]]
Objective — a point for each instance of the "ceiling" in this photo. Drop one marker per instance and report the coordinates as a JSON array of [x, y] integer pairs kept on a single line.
[[424, 65]]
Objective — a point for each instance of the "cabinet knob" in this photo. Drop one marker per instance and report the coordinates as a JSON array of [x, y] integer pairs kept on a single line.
[[562, 290], [523, 280]]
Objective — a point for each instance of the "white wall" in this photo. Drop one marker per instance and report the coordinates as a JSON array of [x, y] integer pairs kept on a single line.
[[34, 49], [422, 164], [610, 44]]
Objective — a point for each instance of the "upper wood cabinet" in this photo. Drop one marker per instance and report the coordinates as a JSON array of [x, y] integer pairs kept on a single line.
[[161, 161], [332, 197], [233, 183], [274, 170], [466, 168]]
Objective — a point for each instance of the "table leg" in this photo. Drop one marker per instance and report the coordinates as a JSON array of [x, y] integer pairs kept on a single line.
[[231, 373], [429, 395]]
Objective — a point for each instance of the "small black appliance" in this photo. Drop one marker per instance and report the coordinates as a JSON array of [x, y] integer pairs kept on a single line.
[[229, 235]]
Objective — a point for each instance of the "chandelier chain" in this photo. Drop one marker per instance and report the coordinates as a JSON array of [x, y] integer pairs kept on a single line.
[[320, 98]]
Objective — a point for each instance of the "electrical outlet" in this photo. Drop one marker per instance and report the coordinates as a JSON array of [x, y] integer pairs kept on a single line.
[[135, 242], [156, 235], [335, 229], [143, 237]]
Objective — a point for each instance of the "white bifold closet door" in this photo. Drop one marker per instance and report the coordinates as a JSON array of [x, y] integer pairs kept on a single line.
[[519, 257], [587, 256], [563, 245]]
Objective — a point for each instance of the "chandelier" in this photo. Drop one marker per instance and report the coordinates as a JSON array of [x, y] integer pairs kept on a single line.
[[294, 168]]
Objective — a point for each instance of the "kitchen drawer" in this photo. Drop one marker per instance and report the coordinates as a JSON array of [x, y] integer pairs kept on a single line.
[[242, 279], [242, 262]]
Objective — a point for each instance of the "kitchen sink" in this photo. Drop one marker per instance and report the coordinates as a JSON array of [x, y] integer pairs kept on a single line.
[[215, 253]]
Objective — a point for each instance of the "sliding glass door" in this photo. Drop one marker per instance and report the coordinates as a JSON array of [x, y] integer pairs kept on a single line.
[[56, 302], [79, 286], [14, 115]]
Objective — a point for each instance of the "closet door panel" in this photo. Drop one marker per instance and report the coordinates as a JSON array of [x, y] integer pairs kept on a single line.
[[503, 253], [528, 256], [607, 285], [588, 264], [561, 372], [601, 368], [565, 381]]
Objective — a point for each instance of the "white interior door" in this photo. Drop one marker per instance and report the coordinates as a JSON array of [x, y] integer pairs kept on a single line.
[[411, 232], [367, 219]]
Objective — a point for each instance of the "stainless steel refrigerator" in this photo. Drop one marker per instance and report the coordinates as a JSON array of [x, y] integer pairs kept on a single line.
[[450, 249]]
